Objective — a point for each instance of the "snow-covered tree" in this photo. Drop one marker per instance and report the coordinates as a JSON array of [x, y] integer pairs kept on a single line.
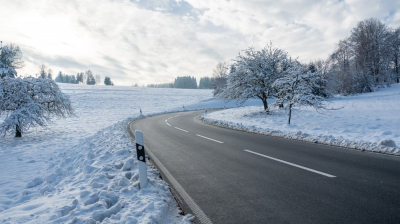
[[322, 69], [253, 74], [296, 88], [30, 102], [97, 79], [10, 60]]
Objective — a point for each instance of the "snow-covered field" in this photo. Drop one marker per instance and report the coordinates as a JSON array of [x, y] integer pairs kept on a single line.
[[81, 169], [365, 121]]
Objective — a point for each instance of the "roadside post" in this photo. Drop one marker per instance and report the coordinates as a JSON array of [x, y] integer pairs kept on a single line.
[[141, 158]]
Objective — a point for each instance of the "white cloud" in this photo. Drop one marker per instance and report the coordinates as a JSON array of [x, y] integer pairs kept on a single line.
[[155, 41]]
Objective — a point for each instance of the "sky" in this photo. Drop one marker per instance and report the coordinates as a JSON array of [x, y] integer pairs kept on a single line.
[[154, 41]]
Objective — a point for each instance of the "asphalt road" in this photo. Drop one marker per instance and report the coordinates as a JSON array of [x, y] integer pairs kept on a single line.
[[236, 177]]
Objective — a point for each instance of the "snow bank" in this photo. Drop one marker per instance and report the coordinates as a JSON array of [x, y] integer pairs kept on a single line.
[[368, 122]]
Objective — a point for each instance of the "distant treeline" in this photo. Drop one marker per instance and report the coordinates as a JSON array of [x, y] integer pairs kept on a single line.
[[185, 82], [162, 85], [86, 78]]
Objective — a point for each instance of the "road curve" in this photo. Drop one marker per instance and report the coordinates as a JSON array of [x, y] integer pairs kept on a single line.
[[227, 176]]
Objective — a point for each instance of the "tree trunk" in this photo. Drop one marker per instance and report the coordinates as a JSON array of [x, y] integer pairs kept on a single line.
[[18, 131], [290, 113], [265, 103], [397, 68]]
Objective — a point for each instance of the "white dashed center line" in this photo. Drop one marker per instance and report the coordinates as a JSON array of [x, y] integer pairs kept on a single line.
[[291, 164], [181, 129], [210, 139]]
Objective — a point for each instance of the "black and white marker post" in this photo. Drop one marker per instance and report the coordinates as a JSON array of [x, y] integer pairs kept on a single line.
[[141, 157]]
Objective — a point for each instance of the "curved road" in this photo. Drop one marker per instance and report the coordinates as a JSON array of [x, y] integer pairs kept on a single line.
[[227, 176]]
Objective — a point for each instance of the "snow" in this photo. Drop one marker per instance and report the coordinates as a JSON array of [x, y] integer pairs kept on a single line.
[[83, 169], [368, 121]]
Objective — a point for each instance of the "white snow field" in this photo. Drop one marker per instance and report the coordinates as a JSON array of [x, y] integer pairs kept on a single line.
[[83, 169], [369, 122]]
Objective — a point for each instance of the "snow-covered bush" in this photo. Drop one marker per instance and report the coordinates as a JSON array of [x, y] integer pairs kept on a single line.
[[29, 102]]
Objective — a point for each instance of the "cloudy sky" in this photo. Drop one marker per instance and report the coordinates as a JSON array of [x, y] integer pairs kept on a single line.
[[153, 41]]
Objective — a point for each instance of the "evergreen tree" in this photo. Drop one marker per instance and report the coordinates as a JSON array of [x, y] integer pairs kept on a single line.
[[67, 79], [107, 81], [50, 74], [205, 83], [60, 77], [79, 78], [185, 82], [72, 79]]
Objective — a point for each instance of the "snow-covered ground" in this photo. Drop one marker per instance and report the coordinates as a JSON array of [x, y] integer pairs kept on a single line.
[[82, 169], [366, 121]]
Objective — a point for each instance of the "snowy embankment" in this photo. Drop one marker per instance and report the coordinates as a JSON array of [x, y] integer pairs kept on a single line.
[[369, 122], [83, 169]]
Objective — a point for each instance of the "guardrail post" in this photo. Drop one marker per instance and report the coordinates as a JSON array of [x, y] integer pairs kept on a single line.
[[141, 157]]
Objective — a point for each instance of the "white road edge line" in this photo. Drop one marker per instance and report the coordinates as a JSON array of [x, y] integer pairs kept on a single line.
[[291, 164], [210, 139], [181, 129], [168, 124]]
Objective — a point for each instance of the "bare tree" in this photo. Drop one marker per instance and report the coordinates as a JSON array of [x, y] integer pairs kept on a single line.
[[395, 52], [98, 79], [369, 41], [365, 60], [219, 77]]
